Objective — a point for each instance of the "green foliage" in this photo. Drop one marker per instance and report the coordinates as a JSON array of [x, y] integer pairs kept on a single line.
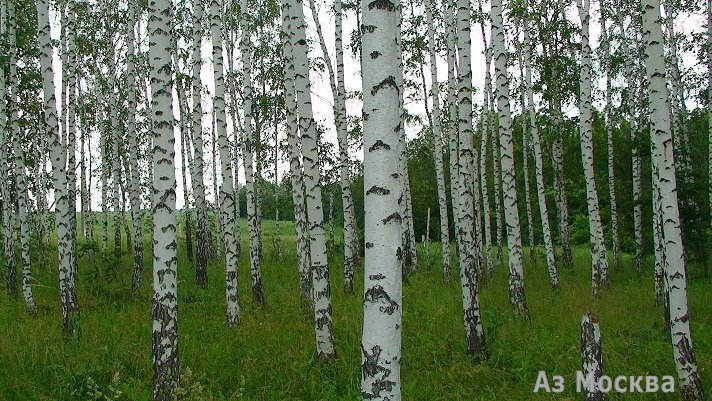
[[270, 355]]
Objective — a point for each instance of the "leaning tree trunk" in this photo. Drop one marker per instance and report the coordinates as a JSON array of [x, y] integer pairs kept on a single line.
[[338, 89], [312, 175], [605, 43], [382, 313], [666, 193], [539, 163], [135, 182], [295, 164], [514, 237], [58, 154], [227, 199], [165, 277], [474, 331], [185, 159], [430, 9], [197, 179], [250, 181], [598, 247]]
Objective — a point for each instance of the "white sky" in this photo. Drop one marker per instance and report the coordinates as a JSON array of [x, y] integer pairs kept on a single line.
[[321, 90]]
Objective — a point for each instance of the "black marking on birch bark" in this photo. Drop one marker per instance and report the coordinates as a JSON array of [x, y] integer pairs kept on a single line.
[[376, 294], [375, 54], [395, 216], [388, 81], [369, 245], [382, 5], [379, 144], [378, 190], [378, 276]]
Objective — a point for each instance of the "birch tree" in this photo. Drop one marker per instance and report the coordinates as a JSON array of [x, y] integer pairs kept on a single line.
[[598, 247], [665, 193], [135, 182], [58, 155], [312, 175], [382, 313], [514, 237], [295, 164], [437, 138], [197, 178], [165, 266], [538, 158], [226, 189], [249, 141]]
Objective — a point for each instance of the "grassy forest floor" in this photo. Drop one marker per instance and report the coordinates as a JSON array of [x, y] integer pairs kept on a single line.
[[270, 355]]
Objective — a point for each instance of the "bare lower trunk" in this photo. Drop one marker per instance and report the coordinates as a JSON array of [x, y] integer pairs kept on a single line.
[[591, 356]]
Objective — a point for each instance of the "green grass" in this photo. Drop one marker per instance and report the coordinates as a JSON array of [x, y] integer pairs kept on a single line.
[[270, 355]]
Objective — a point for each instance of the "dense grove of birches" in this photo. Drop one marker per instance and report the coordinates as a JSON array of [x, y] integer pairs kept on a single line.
[[567, 139]]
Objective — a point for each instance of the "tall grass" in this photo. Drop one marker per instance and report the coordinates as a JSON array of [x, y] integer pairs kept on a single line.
[[270, 354]]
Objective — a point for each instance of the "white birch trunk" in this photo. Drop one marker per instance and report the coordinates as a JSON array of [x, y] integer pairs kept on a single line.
[[591, 356], [666, 193], [227, 199], [165, 272], [135, 182], [382, 313], [315, 213], [197, 177], [606, 64], [539, 163], [599, 268], [249, 141], [338, 89], [295, 164], [58, 155], [514, 237]]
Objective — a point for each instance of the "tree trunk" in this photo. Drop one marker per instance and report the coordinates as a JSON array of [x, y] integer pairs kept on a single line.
[[185, 159], [312, 175], [135, 187], [539, 163], [165, 277], [226, 189], [23, 213], [666, 193], [605, 43], [58, 154], [591, 356], [598, 247], [251, 182], [474, 331], [514, 237], [382, 313], [197, 179], [295, 164]]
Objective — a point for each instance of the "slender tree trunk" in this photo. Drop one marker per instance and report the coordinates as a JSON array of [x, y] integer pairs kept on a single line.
[[514, 237], [227, 199], [485, 134], [338, 89], [295, 164], [58, 154], [382, 313], [526, 131], [315, 213], [115, 159], [165, 277], [666, 194], [451, 34], [332, 240], [5, 138], [251, 182], [560, 195], [538, 162], [135, 182], [598, 247], [197, 179], [474, 331], [605, 43], [185, 160]]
